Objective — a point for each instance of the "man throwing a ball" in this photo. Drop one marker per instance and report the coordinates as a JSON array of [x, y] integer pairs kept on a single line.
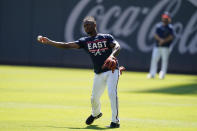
[[103, 50]]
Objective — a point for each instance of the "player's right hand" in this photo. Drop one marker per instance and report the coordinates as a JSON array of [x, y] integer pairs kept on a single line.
[[161, 42], [43, 40]]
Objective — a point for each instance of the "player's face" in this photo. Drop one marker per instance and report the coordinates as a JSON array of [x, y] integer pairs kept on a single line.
[[89, 27], [165, 21]]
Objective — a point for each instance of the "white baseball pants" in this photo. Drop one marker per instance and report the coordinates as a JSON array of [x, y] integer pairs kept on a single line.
[[158, 52], [100, 81]]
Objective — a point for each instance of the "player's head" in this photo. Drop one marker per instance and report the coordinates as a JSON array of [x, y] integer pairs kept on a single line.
[[165, 17], [89, 24]]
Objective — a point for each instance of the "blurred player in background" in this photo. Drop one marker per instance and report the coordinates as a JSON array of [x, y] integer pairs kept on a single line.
[[164, 36], [103, 50]]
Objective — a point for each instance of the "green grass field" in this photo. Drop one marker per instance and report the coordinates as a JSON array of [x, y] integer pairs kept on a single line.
[[58, 99]]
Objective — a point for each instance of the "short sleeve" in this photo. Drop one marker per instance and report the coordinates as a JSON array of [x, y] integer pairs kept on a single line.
[[80, 42], [111, 38], [157, 29], [171, 30]]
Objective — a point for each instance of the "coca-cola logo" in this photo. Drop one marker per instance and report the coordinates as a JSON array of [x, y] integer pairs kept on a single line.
[[125, 23]]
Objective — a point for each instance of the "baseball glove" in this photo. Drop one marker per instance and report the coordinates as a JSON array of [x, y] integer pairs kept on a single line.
[[110, 63]]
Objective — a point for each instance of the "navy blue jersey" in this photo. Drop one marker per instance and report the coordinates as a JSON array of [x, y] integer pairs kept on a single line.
[[163, 32], [98, 48]]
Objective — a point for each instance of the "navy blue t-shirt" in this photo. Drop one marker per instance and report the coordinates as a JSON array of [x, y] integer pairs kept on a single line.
[[98, 48], [163, 32]]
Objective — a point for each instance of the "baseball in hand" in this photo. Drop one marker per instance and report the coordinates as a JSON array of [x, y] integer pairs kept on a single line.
[[39, 38]]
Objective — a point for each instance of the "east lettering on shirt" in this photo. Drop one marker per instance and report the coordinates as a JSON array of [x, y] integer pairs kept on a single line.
[[98, 48]]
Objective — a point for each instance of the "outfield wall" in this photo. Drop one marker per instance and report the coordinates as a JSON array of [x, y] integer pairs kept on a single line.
[[131, 22]]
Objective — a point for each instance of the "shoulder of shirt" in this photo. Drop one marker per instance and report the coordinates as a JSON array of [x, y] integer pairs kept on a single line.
[[170, 26], [83, 38], [105, 35], [159, 24]]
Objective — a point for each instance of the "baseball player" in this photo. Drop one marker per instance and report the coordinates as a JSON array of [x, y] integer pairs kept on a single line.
[[103, 49], [164, 36]]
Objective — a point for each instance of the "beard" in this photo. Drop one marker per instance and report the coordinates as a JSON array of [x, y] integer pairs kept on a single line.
[[89, 33]]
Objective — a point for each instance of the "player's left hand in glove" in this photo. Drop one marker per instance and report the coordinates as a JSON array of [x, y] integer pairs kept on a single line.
[[110, 63]]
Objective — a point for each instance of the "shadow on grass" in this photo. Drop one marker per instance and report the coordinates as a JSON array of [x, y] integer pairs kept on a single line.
[[188, 89], [93, 127]]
